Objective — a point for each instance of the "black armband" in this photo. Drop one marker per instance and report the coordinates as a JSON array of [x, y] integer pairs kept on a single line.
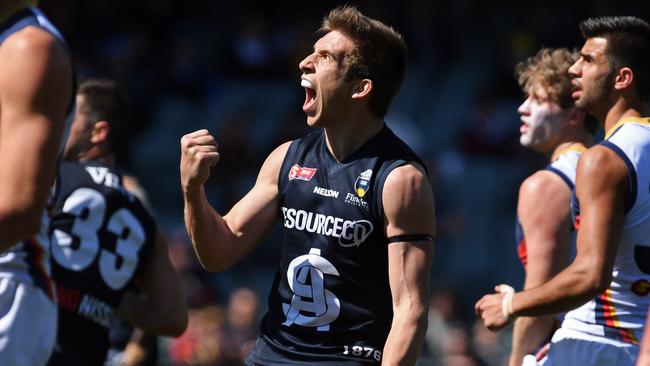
[[416, 237]]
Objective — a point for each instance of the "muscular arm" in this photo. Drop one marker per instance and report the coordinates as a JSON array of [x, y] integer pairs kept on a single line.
[[602, 180], [221, 241], [35, 90], [409, 209], [544, 213], [162, 308]]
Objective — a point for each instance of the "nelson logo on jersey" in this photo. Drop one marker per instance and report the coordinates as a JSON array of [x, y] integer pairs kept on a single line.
[[362, 184], [301, 173]]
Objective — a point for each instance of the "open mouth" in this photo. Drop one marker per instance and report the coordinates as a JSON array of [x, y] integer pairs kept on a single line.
[[575, 94], [310, 96], [575, 91], [523, 128]]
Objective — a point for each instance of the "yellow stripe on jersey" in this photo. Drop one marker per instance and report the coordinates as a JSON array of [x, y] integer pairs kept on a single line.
[[639, 120], [577, 147]]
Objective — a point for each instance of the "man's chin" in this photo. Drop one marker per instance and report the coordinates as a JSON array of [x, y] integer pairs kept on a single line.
[[313, 121], [580, 103]]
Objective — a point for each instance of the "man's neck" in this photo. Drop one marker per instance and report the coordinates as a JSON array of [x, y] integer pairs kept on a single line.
[[348, 136], [98, 154], [581, 143], [623, 108]]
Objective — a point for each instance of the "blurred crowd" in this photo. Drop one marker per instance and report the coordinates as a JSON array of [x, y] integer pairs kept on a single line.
[[232, 68]]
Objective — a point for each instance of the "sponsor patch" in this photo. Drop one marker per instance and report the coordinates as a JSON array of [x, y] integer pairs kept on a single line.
[[362, 184], [350, 233], [298, 172], [326, 192], [356, 201]]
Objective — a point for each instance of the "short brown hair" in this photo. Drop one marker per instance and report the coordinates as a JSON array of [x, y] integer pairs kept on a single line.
[[105, 101], [628, 44], [379, 55]]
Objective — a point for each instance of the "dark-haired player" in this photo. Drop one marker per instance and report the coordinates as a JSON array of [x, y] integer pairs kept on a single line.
[[104, 242]]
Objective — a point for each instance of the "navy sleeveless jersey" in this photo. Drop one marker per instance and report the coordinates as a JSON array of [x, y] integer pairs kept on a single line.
[[331, 300], [100, 237]]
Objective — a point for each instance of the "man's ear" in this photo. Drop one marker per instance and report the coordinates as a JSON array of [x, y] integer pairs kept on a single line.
[[101, 130], [362, 89], [624, 77]]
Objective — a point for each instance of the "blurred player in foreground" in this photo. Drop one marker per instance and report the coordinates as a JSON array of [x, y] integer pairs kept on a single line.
[[104, 242], [36, 93], [552, 125], [356, 207], [607, 283]]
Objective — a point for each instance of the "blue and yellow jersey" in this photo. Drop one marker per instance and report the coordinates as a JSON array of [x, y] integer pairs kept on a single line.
[[619, 313], [29, 261], [565, 167]]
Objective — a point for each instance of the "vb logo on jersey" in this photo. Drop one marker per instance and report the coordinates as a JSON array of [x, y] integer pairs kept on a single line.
[[298, 172], [362, 184], [306, 276]]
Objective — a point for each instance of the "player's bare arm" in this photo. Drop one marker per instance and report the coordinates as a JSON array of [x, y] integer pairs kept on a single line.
[[409, 210], [35, 92], [644, 353], [163, 309], [602, 198], [221, 241], [544, 214]]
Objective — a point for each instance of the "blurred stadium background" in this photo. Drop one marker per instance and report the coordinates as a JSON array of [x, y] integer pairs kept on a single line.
[[231, 67]]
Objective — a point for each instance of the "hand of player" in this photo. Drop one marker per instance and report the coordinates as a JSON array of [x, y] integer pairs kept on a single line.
[[198, 155], [490, 309]]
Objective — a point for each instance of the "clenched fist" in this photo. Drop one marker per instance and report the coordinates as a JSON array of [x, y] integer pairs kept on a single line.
[[198, 155], [491, 308]]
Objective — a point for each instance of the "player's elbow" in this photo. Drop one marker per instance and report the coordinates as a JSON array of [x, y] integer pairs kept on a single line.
[[598, 281], [213, 265]]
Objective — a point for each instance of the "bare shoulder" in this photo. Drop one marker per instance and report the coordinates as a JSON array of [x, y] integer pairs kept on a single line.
[[35, 68], [271, 168], [408, 178], [543, 184], [543, 207], [32, 43], [408, 200], [132, 185], [600, 163]]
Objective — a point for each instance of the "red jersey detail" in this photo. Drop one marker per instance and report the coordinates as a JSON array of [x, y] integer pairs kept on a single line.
[[522, 252], [298, 172], [576, 223]]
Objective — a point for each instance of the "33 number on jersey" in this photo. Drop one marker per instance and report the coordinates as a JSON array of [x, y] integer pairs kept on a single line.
[[78, 249]]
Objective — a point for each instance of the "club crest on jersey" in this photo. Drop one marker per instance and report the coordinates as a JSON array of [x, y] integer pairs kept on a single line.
[[298, 172], [641, 288], [362, 184]]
